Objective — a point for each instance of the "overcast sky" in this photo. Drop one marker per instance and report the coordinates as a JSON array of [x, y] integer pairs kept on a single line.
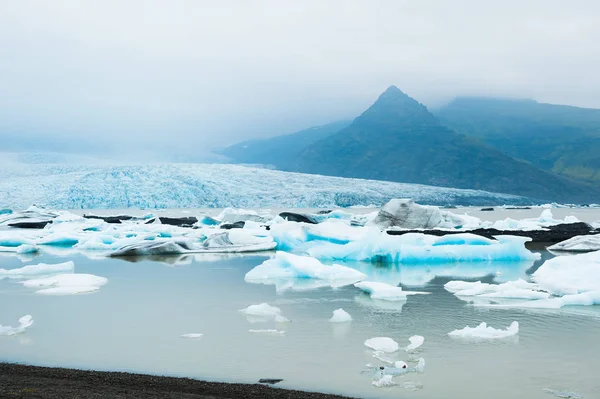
[[219, 71]]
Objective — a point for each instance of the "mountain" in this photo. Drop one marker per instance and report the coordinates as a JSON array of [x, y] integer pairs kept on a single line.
[[278, 151], [558, 138], [398, 139], [171, 185]]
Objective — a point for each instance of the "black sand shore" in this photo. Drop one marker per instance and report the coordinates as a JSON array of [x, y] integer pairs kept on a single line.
[[21, 381]]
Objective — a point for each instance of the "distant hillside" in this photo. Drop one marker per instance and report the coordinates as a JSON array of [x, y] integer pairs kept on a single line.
[[398, 139], [557, 138], [278, 151]]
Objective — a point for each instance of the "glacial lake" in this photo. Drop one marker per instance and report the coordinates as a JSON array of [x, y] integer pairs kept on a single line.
[[134, 323]]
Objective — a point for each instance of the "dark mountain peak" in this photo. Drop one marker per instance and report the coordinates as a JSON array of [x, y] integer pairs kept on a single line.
[[395, 108]]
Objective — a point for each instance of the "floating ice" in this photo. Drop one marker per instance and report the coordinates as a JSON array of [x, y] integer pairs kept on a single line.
[[482, 331], [286, 268], [24, 323], [39, 269], [281, 319], [237, 240], [416, 248], [519, 289], [386, 380], [340, 316], [267, 331], [385, 291], [406, 214], [382, 344], [563, 394], [21, 249], [157, 247], [415, 342], [262, 310], [567, 275], [191, 335], [578, 244], [67, 284]]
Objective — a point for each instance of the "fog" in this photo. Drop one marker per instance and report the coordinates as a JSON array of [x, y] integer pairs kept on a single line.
[[195, 75]]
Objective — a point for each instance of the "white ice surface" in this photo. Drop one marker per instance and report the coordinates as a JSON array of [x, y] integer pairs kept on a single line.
[[578, 244], [66, 284], [39, 269], [415, 342], [267, 331], [382, 344], [483, 331], [288, 270], [191, 335], [207, 185], [385, 291], [24, 323], [262, 310], [340, 316]]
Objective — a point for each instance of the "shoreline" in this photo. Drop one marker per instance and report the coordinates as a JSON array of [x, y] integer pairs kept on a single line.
[[25, 381]]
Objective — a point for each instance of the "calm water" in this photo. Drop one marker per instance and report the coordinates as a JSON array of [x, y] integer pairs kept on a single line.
[[134, 323]]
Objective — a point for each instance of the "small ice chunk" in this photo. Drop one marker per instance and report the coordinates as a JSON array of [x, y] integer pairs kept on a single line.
[[563, 394], [340, 316], [67, 284], [267, 331], [24, 323], [281, 319], [191, 335], [39, 269], [578, 244], [415, 342], [385, 291], [262, 310], [482, 331], [385, 381], [382, 344]]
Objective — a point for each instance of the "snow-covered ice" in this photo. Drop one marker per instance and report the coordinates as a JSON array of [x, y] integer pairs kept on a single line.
[[385, 291], [586, 243], [39, 269], [66, 284], [24, 323], [340, 316], [567, 275], [518, 289], [210, 185], [382, 344], [483, 331], [191, 335], [285, 268]]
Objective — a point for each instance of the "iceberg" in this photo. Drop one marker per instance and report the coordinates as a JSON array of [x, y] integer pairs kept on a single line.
[[483, 331], [287, 270], [191, 335], [415, 342], [39, 269], [586, 243], [67, 284], [340, 316], [24, 323], [567, 275], [519, 289], [406, 214], [262, 310], [385, 291], [417, 248], [382, 344]]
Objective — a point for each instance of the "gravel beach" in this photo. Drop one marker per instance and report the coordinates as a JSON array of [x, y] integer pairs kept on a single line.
[[22, 381]]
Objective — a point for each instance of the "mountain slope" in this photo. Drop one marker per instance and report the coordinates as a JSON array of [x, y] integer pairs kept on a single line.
[[398, 139], [279, 150], [558, 138]]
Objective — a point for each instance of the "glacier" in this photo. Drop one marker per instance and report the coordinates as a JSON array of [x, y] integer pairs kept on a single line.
[[209, 186]]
